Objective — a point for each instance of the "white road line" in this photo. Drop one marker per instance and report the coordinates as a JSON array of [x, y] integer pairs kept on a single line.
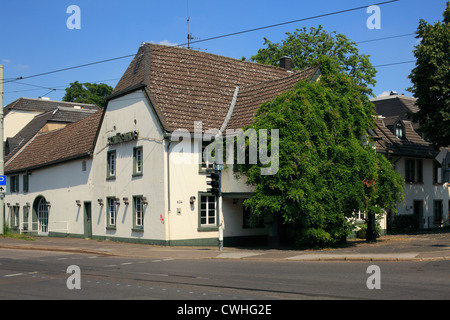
[[13, 275]]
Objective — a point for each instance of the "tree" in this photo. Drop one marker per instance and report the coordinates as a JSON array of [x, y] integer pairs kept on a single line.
[[88, 93], [305, 48], [431, 79], [327, 171]]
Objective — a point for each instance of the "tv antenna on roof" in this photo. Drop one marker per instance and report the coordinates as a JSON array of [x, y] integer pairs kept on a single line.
[[189, 35]]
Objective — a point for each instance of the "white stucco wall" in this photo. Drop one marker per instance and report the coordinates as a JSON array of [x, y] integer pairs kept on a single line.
[[61, 185], [127, 114], [426, 191], [15, 121]]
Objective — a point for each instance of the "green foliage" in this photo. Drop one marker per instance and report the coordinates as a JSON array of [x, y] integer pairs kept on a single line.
[[88, 93], [431, 79], [327, 171], [305, 48]]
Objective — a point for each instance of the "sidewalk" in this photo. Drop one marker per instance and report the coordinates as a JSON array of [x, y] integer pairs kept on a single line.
[[426, 246]]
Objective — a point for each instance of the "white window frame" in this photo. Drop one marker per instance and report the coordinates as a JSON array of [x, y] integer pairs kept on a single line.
[[112, 212]]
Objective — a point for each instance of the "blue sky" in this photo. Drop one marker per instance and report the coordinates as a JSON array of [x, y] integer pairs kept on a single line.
[[34, 37]]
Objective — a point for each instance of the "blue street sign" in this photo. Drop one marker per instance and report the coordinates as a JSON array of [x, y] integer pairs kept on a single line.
[[2, 180]]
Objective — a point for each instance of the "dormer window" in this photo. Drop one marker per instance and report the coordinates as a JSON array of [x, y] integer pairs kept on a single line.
[[399, 130]]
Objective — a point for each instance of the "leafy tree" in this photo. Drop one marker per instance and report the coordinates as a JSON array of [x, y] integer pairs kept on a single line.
[[88, 93], [327, 170], [306, 47], [431, 79]]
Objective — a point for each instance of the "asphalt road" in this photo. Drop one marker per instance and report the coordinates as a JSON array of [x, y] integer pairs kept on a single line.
[[28, 275]]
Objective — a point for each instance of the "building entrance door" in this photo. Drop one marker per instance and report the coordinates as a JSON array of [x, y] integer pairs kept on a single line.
[[87, 220]]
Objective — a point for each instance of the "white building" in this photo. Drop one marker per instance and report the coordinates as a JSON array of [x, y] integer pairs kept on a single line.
[[427, 194], [121, 174]]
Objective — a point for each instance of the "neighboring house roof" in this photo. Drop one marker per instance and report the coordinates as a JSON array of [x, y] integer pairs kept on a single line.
[[185, 86], [61, 115], [395, 109], [76, 140], [396, 106], [43, 105], [412, 145]]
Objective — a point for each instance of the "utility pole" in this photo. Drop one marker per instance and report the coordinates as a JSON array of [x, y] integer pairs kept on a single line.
[[2, 162]]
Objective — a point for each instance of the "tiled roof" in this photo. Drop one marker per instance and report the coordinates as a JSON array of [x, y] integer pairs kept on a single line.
[[57, 115], [412, 145], [42, 105], [186, 85], [396, 106], [74, 141], [394, 109]]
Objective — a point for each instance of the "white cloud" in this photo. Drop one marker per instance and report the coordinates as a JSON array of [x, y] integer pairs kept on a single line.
[[165, 43], [6, 61], [384, 94]]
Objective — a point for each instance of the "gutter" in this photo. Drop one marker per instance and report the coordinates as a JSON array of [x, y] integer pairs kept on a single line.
[[167, 137]]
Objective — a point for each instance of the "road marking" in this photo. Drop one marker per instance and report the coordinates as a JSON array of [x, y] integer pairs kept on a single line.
[[126, 263], [13, 275]]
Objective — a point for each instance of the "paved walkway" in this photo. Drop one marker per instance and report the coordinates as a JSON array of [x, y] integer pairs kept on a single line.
[[426, 246]]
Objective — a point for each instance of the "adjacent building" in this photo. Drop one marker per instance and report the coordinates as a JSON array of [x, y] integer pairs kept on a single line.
[[427, 192]]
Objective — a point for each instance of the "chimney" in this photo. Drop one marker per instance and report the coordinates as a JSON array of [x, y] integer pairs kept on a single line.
[[286, 63]]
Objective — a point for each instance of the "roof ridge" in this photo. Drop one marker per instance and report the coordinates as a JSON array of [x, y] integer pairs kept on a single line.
[[262, 65], [298, 73]]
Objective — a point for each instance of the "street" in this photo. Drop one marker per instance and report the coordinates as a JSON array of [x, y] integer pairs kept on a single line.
[[26, 274]]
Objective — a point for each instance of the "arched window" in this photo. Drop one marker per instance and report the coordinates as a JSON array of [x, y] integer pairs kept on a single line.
[[41, 210]]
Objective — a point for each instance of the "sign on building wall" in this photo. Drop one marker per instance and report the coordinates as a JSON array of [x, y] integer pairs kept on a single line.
[[123, 137]]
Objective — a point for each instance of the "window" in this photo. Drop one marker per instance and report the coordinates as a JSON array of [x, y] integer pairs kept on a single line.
[[207, 210], [14, 184], [414, 170], [250, 221], [137, 162], [437, 211], [204, 164], [399, 131], [111, 165], [15, 217], [25, 217], [138, 213], [112, 213], [437, 172], [26, 179]]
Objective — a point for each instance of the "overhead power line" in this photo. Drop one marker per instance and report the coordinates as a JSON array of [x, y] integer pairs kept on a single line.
[[290, 22], [208, 39], [386, 38], [394, 63]]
